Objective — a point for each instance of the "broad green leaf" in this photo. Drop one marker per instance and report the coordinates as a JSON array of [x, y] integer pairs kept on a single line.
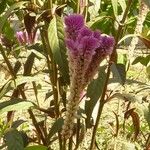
[[94, 92], [14, 140], [36, 147], [57, 44], [56, 127], [4, 18], [119, 73], [122, 59], [15, 104], [115, 7], [122, 4], [94, 20], [6, 88]]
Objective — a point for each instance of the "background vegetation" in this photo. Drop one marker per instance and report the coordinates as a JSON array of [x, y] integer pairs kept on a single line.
[[115, 110]]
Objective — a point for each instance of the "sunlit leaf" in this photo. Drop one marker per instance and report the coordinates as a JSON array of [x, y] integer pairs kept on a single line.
[[122, 4], [26, 79], [4, 18], [57, 44], [15, 104], [94, 9], [115, 7], [6, 88], [36, 147], [126, 37]]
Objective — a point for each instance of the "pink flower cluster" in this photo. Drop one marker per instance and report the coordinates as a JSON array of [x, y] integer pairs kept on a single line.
[[24, 38], [86, 49]]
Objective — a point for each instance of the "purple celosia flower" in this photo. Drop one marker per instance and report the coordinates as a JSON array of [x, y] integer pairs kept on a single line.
[[86, 49], [73, 24]]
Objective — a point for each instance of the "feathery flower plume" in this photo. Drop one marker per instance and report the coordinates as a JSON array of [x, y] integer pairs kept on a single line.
[[86, 49]]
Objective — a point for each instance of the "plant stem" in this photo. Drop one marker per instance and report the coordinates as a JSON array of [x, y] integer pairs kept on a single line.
[[70, 144], [53, 76], [64, 144], [113, 59], [77, 134]]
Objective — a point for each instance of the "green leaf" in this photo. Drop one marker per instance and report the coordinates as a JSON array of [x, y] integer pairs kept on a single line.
[[122, 59], [8, 31], [56, 127], [4, 18], [2, 6], [6, 88], [119, 73], [94, 92], [115, 7], [127, 36], [143, 60], [14, 140], [36, 147], [15, 104], [57, 44], [148, 72], [122, 4], [17, 123], [26, 79], [96, 19]]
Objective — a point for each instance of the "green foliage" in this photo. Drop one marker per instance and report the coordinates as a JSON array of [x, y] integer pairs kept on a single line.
[[14, 140], [94, 92], [57, 44], [39, 72], [36, 147], [14, 104], [56, 127]]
